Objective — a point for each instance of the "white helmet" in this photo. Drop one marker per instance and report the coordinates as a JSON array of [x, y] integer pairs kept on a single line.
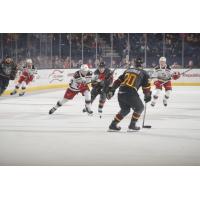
[[29, 61], [162, 59], [84, 68]]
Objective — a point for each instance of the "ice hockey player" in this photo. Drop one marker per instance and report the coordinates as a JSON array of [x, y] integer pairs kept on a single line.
[[78, 84], [8, 71], [27, 75], [163, 75], [102, 79], [129, 83]]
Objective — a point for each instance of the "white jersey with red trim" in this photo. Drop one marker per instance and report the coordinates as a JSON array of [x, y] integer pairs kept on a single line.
[[28, 70], [162, 73], [80, 80]]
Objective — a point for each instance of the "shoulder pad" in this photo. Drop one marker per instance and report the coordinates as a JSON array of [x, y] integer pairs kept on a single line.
[[76, 74], [168, 67], [89, 73], [156, 67]]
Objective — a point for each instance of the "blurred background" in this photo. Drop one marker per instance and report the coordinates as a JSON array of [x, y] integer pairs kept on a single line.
[[70, 50]]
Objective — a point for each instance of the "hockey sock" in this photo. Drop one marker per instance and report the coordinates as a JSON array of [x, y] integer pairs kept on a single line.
[[101, 104], [60, 103], [88, 105], [118, 118]]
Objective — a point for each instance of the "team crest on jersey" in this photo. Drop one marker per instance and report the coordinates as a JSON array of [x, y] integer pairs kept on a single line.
[[56, 75]]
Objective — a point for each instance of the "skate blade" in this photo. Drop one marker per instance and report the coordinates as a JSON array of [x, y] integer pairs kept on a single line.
[[131, 130], [111, 130], [13, 94]]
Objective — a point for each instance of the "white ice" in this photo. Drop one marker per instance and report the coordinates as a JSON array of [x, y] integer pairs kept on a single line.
[[29, 136]]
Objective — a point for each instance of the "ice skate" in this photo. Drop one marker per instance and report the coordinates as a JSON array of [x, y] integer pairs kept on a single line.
[[113, 127], [153, 103], [89, 111], [13, 92], [164, 102], [52, 110], [21, 94], [133, 128]]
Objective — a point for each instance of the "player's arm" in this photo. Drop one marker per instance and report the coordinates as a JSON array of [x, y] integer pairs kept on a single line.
[[116, 84], [146, 87], [13, 72], [88, 77]]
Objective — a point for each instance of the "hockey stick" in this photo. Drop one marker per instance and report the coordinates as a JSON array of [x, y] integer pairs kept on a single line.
[[180, 75], [144, 116]]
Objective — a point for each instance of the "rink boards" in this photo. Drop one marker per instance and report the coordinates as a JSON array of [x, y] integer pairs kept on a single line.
[[59, 78]]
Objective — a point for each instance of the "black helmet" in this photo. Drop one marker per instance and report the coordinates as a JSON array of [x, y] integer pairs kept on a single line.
[[138, 62], [102, 65]]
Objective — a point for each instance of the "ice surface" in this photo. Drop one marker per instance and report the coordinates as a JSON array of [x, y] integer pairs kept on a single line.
[[29, 136]]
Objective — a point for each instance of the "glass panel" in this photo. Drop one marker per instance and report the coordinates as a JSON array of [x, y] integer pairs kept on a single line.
[[154, 48], [192, 50], [89, 49], [76, 50], [104, 41], [137, 46], [173, 49], [121, 50]]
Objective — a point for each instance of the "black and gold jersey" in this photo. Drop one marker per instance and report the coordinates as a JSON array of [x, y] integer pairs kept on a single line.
[[133, 79]]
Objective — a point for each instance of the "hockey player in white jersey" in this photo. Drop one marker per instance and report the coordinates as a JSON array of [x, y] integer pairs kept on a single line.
[[163, 75], [78, 84], [27, 74]]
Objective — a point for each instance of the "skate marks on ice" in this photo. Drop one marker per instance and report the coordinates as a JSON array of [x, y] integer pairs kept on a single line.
[[29, 136]]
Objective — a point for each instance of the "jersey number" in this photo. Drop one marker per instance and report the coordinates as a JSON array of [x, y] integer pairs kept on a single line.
[[129, 79]]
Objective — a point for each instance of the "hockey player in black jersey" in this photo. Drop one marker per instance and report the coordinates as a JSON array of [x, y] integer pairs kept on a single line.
[[129, 83], [102, 79], [8, 71]]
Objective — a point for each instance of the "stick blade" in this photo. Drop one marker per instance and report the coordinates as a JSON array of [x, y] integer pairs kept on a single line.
[[146, 126]]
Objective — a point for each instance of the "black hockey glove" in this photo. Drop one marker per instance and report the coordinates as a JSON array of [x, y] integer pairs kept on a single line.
[[147, 97], [110, 93]]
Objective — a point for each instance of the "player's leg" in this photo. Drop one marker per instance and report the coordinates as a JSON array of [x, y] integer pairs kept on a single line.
[[17, 86], [102, 100], [94, 94], [125, 109], [156, 92], [88, 105], [23, 88], [69, 94], [3, 85], [138, 107], [168, 89]]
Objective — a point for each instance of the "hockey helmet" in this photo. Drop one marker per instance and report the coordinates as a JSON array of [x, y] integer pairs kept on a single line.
[[84, 68], [102, 65], [162, 59], [138, 62], [8, 59], [29, 61]]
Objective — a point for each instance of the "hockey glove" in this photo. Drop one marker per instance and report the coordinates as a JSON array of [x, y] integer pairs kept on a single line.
[[176, 75], [147, 97], [110, 93]]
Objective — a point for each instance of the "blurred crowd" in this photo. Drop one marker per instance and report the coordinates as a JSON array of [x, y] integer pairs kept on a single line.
[[65, 50]]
